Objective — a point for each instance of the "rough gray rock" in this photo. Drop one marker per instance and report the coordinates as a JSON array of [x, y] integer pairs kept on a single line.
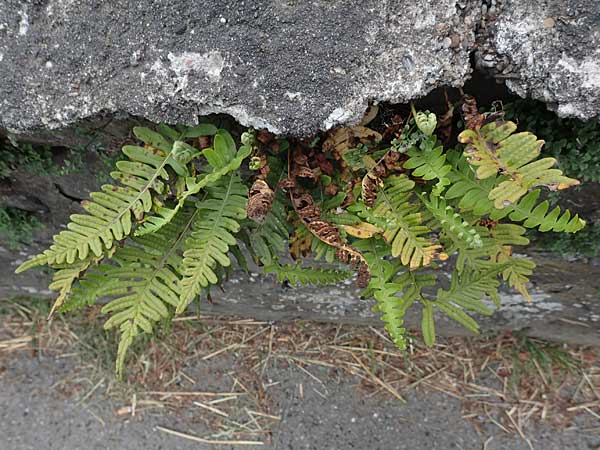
[[564, 304], [549, 51], [291, 66]]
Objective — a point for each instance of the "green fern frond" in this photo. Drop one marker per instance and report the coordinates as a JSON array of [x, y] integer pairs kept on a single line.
[[467, 289], [202, 129], [428, 323], [459, 230], [429, 162], [298, 275], [393, 310], [144, 283], [321, 250], [377, 253], [425, 121], [517, 273], [268, 239], [382, 268], [193, 185], [213, 232], [403, 223], [494, 242], [37, 260], [95, 284], [537, 216], [394, 299], [505, 234], [495, 149], [340, 219], [110, 212], [472, 194], [63, 279]]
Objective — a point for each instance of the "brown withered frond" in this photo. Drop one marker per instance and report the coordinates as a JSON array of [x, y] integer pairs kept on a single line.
[[373, 180], [300, 168], [328, 233], [473, 119], [371, 183], [444, 125], [260, 201]]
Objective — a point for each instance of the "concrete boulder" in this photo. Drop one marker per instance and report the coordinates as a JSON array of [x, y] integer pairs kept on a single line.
[[290, 66]]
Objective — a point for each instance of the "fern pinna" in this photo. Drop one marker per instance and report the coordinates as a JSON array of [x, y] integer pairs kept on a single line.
[[394, 204]]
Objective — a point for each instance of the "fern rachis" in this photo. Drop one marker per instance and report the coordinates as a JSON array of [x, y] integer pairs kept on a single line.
[[212, 235]]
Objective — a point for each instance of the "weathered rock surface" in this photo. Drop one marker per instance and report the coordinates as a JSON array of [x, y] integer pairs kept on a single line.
[[294, 67], [565, 303], [548, 50]]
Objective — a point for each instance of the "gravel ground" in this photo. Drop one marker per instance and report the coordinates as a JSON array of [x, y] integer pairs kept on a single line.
[[40, 412]]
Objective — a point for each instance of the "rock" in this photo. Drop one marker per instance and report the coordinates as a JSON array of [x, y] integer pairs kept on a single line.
[[291, 67], [554, 47], [564, 304]]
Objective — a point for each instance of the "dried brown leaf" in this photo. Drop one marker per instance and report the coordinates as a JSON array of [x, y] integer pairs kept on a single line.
[[260, 201]]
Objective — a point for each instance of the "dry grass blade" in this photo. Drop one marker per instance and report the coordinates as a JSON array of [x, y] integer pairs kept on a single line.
[[206, 441], [377, 380], [506, 380]]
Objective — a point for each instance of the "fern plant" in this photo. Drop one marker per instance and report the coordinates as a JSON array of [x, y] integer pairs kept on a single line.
[[187, 203]]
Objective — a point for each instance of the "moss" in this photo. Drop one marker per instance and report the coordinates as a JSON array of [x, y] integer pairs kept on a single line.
[[33, 158], [17, 227], [41, 159], [585, 242]]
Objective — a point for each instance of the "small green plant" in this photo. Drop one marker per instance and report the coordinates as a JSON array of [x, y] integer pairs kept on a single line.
[[533, 357], [584, 243], [181, 210], [575, 143], [17, 227], [40, 159], [36, 159]]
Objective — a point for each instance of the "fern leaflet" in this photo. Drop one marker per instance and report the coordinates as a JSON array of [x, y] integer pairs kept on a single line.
[[472, 194], [403, 223], [495, 149], [297, 275], [459, 230], [429, 162], [537, 216], [63, 279], [468, 288], [213, 233], [393, 307]]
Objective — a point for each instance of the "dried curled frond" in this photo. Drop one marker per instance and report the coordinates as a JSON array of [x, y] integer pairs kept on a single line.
[[260, 201], [310, 214], [444, 125], [301, 169], [372, 182], [473, 119]]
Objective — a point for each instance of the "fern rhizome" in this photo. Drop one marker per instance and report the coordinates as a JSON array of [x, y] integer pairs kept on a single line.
[[391, 206]]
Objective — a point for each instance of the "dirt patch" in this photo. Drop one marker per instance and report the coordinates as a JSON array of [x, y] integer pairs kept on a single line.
[[294, 386]]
